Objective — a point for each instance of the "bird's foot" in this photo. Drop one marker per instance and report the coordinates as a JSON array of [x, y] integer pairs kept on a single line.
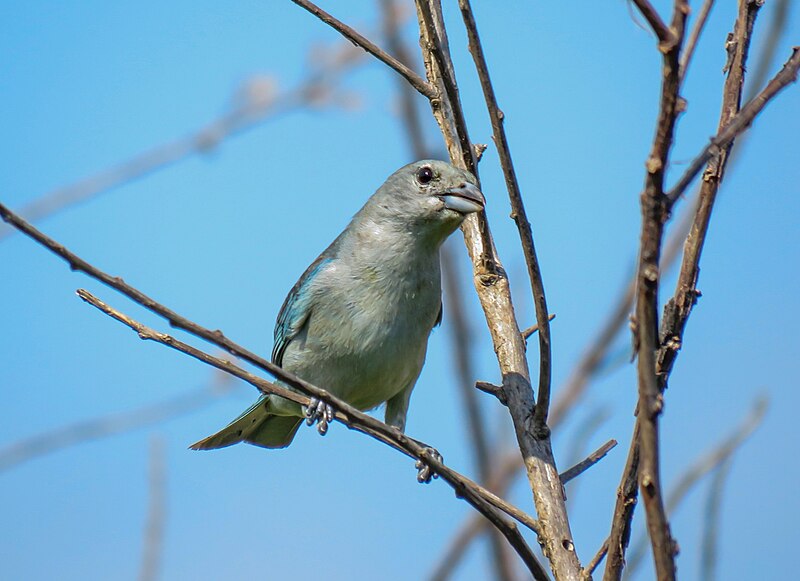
[[425, 471], [320, 413]]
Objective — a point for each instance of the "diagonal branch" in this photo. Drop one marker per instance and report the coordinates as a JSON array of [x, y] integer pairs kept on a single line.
[[483, 500], [416, 81], [739, 123], [666, 37]]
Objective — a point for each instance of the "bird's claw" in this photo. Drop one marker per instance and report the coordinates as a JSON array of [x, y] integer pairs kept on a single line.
[[425, 472], [319, 412]]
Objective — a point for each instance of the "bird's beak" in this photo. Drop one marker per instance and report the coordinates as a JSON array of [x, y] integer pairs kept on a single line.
[[465, 199]]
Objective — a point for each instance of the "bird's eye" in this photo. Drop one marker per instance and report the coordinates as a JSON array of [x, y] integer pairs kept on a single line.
[[424, 175]]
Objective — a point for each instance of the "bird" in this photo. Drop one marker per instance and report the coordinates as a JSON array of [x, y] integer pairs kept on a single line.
[[357, 321]]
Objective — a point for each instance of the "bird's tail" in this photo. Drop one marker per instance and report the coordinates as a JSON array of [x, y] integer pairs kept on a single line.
[[258, 426]]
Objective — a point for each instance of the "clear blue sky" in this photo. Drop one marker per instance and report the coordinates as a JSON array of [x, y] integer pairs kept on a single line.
[[222, 237]]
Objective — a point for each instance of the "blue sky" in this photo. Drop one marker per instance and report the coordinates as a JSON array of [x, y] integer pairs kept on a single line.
[[221, 237]]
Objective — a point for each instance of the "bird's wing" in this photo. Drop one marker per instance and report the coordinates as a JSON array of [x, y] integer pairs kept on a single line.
[[439, 316], [296, 309]]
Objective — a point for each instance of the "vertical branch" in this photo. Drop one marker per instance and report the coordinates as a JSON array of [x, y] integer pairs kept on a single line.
[[460, 333], [493, 291], [519, 216], [654, 214], [154, 531], [708, 553]]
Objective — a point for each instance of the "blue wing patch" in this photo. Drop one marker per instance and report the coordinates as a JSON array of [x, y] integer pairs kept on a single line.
[[296, 310]]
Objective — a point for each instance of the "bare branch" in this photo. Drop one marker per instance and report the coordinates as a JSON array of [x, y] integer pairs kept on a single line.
[[586, 574], [156, 514], [477, 496], [482, 499], [527, 333], [492, 287], [519, 216], [358, 39], [590, 461], [666, 37], [27, 449], [739, 123], [656, 364]]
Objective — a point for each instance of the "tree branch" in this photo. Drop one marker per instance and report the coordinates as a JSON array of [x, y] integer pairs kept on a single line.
[[587, 463], [358, 39], [646, 325], [492, 287], [666, 37], [483, 500], [519, 216]]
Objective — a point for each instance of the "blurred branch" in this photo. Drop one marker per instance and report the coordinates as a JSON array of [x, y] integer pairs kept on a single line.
[[519, 216], [580, 439], [156, 515], [694, 36], [358, 39], [709, 550], [51, 441], [255, 102], [708, 462]]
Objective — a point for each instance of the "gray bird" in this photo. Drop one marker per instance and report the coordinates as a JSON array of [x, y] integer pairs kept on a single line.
[[358, 320]]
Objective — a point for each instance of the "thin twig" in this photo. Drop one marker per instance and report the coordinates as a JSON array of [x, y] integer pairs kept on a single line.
[[482, 499], [358, 39], [527, 333], [588, 462], [586, 574], [666, 37], [156, 514], [27, 449], [519, 215]]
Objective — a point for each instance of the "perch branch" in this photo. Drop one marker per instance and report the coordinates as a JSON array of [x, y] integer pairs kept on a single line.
[[482, 499]]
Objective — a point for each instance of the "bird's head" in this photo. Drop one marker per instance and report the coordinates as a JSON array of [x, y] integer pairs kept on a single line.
[[429, 195]]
